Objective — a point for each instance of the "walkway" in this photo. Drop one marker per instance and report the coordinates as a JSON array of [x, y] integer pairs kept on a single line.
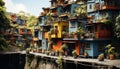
[[107, 62]]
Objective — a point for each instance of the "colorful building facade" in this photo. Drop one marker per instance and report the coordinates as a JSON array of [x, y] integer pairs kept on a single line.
[[19, 34], [87, 30]]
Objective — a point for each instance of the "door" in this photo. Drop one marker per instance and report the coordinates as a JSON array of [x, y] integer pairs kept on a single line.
[[71, 47]]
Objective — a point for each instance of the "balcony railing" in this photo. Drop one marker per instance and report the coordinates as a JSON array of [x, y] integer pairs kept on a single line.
[[37, 27], [110, 7]]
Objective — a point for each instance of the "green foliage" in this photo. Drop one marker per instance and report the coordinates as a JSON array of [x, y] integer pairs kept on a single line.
[[80, 31], [27, 50], [4, 24], [59, 62], [101, 57], [4, 21], [2, 3], [81, 11], [110, 49], [74, 53], [31, 21], [117, 27], [64, 47]]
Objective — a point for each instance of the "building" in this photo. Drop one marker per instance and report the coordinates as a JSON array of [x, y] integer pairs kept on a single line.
[[85, 26], [19, 34]]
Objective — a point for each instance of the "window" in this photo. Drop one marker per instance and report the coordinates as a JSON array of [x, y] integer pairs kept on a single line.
[[72, 25], [87, 46], [101, 47], [90, 6], [36, 33], [56, 27], [93, 17]]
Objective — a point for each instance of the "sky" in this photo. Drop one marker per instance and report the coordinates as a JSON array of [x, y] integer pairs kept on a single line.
[[34, 7]]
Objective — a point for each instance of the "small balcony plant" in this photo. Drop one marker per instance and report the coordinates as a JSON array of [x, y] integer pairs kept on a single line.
[[110, 51], [74, 53], [65, 49], [101, 57], [80, 32]]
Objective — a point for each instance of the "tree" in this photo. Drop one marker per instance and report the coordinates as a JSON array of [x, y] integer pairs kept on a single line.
[[4, 21], [31, 20], [4, 25], [117, 26], [81, 11]]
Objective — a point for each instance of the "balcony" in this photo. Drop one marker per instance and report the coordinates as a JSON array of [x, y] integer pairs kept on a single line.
[[37, 27], [71, 35], [64, 14], [110, 7], [29, 32]]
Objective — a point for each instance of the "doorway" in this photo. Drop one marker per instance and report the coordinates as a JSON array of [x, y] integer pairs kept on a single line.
[[71, 47]]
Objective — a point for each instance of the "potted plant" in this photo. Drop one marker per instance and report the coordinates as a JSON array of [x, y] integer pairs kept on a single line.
[[27, 50], [80, 32], [34, 50], [65, 49], [85, 54], [110, 51], [74, 53], [47, 52], [101, 57], [40, 50], [57, 53]]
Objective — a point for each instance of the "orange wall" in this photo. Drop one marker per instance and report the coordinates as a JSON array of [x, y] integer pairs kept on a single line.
[[21, 32], [46, 34], [102, 33], [58, 46], [77, 47]]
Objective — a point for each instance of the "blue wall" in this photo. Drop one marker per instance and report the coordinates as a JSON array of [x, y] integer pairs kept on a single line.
[[39, 35], [73, 29], [94, 48], [45, 44], [42, 22], [73, 7]]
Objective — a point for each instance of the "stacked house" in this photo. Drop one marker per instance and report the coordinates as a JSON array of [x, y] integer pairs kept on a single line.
[[19, 34], [84, 26]]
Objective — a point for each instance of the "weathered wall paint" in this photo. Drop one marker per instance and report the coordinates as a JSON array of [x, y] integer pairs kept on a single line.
[[58, 46]]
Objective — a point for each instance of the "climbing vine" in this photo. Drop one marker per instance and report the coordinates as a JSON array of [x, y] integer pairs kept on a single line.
[[59, 62]]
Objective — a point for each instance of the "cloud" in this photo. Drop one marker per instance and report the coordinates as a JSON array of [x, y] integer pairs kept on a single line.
[[13, 7]]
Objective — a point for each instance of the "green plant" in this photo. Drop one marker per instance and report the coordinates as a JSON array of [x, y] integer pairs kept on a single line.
[[57, 52], [80, 31], [110, 51], [39, 49], [48, 52], [101, 57], [74, 53], [64, 47], [85, 54], [64, 34], [59, 62], [27, 50]]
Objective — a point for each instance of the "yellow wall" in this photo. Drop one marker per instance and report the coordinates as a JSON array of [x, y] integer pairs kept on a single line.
[[60, 27], [77, 47]]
